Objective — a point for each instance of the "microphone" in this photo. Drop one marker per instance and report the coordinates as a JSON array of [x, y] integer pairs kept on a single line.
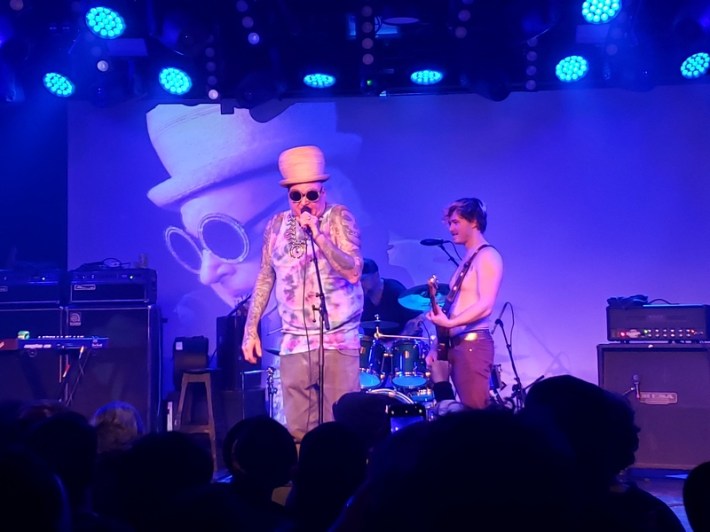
[[307, 229], [433, 242], [636, 380]]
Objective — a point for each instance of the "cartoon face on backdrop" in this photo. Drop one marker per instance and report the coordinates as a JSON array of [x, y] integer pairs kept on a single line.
[[224, 181]]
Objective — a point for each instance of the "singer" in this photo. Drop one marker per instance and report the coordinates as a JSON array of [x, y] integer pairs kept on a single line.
[[474, 289], [288, 269]]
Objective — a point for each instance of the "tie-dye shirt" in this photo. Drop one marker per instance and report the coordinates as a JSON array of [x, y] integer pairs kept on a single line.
[[296, 288]]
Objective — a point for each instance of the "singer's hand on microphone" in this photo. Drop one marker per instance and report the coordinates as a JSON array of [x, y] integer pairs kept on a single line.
[[309, 223]]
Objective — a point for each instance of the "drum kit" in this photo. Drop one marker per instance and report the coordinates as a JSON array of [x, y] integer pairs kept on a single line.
[[395, 365]]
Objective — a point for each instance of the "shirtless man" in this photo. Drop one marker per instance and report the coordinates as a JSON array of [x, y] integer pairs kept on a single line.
[[470, 346]]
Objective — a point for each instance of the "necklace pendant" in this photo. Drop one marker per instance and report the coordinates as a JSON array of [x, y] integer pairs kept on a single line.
[[296, 250]]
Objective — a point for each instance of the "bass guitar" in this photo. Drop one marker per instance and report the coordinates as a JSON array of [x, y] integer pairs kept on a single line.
[[442, 333]]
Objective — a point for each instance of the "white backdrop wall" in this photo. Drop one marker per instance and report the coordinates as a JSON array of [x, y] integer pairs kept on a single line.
[[590, 194]]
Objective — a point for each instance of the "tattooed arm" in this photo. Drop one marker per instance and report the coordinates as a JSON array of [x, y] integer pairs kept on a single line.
[[251, 344], [342, 249]]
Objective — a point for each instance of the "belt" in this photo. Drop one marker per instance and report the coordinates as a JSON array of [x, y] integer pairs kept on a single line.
[[470, 336]]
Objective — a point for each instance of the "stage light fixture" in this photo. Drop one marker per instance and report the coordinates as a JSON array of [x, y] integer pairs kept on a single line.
[[58, 84], [695, 66], [319, 80], [105, 22], [426, 77], [175, 81], [600, 11], [572, 68]]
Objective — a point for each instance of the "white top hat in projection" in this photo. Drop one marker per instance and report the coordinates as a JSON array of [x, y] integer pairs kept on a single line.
[[201, 148], [303, 164]]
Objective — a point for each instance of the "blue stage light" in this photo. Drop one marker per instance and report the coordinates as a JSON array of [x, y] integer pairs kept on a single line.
[[426, 77], [600, 11], [175, 81], [105, 22], [319, 80], [695, 66], [572, 68], [58, 85]]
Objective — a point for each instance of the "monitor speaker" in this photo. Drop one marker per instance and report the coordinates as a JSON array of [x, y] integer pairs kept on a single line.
[[129, 368], [668, 386]]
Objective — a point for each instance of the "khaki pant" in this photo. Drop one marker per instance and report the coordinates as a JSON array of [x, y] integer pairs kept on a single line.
[[299, 379]]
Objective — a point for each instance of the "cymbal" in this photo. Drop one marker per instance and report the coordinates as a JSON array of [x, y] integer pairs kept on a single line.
[[417, 297], [378, 323], [272, 351]]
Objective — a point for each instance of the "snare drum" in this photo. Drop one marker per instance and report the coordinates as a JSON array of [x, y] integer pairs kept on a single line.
[[372, 359], [409, 364]]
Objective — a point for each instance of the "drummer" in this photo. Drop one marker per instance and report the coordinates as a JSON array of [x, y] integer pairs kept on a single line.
[[382, 306]]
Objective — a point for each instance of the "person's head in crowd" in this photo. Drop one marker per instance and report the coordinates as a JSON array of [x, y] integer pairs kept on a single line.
[[365, 414], [67, 443], [487, 468], [598, 424], [39, 410], [118, 425], [696, 496], [223, 171], [331, 465], [262, 455], [158, 468], [31, 495]]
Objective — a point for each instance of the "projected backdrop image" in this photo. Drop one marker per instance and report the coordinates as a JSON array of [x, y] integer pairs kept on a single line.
[[590, 195]]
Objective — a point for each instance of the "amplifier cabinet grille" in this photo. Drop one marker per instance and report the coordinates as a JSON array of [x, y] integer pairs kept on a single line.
[[130, 368], [672, 404]]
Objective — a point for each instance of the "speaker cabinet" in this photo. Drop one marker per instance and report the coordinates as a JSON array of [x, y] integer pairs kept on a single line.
[[129, 369], [29, 376], [37, 321], [671, 399], [230, 358]]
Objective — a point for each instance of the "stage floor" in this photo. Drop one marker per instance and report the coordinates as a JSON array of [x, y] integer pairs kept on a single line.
[[666, 485]]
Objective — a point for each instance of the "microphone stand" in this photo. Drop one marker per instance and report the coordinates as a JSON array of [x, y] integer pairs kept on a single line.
[[451, 258], [518, 395], [324, 325]]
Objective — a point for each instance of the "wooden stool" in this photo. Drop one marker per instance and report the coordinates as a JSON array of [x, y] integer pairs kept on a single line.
[[185, 419]]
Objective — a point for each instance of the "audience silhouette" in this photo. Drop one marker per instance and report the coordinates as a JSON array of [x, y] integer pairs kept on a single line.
[[696, 497], [557, 465]]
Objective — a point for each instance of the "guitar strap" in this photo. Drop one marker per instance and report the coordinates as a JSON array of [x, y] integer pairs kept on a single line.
[[454, 290]]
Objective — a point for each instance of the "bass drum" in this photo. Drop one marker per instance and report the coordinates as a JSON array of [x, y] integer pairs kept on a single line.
[[402, 398]]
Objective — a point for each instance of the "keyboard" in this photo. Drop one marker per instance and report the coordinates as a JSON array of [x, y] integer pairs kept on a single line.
[[57, 343]]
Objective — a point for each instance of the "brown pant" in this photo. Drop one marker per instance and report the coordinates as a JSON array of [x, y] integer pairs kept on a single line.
[[471, 357], [299, 377]]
